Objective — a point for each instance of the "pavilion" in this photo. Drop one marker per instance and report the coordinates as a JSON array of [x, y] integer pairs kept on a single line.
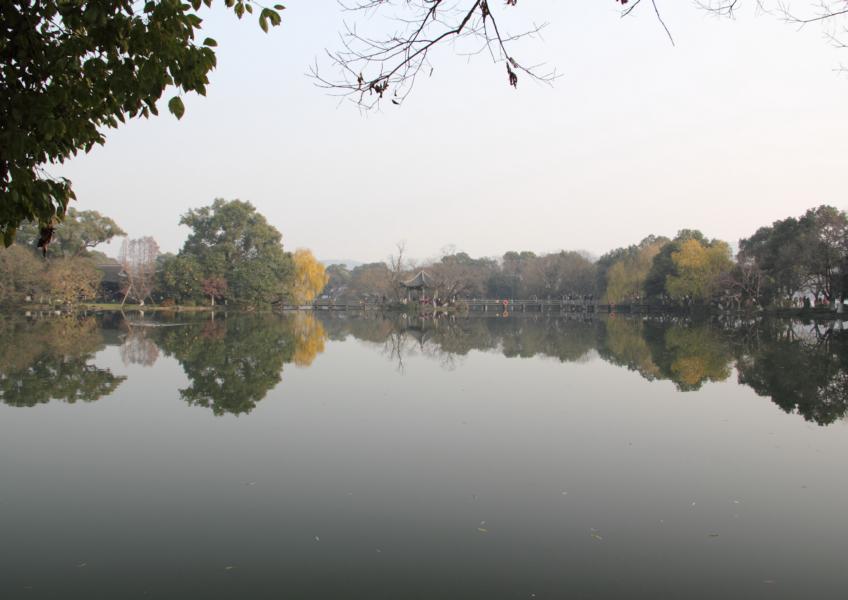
[[420, 283]]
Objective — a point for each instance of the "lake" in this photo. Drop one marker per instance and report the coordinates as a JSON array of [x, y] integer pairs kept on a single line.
[[370, 457]]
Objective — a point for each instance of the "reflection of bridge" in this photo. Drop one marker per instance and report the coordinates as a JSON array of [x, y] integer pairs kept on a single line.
[[554, 306], [501, 306]]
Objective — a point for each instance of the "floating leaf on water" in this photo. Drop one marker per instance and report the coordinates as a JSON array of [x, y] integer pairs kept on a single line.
[[250, 483], [597, 537], [769, 581], [317, 539], [229, 568], [482, 530], [81, 565], [713, 535]]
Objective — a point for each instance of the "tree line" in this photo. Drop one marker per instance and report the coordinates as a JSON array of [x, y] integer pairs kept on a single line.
[[232, 256], [779, 265]]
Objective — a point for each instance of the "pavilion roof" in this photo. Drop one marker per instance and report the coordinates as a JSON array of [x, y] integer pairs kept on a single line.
[[422, 280]]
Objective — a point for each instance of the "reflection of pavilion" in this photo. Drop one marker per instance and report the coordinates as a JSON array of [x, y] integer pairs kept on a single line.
[[419, 284]]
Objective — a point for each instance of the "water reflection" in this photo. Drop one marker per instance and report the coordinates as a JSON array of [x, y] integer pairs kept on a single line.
[[50, 359], [233, 361], [802, 367]]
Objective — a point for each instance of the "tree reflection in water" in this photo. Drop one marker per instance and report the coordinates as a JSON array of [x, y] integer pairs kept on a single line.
[[232, 362], [49, 359], [803, 368]]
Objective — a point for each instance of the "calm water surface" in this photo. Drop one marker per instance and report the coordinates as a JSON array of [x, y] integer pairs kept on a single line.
[[333, 457]]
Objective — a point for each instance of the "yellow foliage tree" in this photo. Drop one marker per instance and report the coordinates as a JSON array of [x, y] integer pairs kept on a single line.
[[309, 277], [626, 277], [699, 269]]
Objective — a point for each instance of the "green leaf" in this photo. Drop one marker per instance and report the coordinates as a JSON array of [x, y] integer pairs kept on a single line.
[[176, 106], [210, 42], [279, 7]]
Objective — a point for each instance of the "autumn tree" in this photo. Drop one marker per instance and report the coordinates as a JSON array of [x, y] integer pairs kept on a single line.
[[560, 274], [215, 288], [72, 280], [310, 277], [138, 260], [21, 275], [699, 270], [457, 274], [625, 275]]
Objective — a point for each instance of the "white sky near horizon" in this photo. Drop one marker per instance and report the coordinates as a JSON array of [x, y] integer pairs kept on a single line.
[[741, 123]]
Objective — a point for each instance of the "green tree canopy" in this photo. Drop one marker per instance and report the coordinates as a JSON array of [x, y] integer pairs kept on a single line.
[[76, 235], [231, 241], [71, 69]]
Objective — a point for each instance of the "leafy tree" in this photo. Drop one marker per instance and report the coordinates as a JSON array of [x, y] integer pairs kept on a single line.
[[310, 277], [338, 280], [20, 275], [231, 241], [71, 69], [663, 266], [560, 274], [371, 279], [514, 265], [626, 270], [807, 254], [76, 235], [214, 287], [700, 270], [72, 280], [457, 274], [179, 278]]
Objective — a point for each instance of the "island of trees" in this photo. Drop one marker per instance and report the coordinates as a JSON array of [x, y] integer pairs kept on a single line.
[[778, 265], [234, 257]]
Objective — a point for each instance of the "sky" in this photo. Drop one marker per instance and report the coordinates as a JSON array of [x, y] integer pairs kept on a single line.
[[738, 124]]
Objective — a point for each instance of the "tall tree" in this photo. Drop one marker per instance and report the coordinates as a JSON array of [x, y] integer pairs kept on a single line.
[[232, 241], [138, 259]]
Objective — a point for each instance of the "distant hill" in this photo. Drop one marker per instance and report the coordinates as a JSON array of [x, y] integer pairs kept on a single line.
[[350, 264]]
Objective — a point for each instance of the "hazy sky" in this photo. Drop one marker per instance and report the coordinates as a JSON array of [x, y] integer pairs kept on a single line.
[[742, 123]]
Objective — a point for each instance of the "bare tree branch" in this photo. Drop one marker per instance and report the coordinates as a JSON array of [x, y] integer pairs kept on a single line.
[[371, 69]]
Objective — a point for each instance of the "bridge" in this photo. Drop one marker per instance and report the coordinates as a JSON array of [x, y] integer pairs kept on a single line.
[[494, 305]]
